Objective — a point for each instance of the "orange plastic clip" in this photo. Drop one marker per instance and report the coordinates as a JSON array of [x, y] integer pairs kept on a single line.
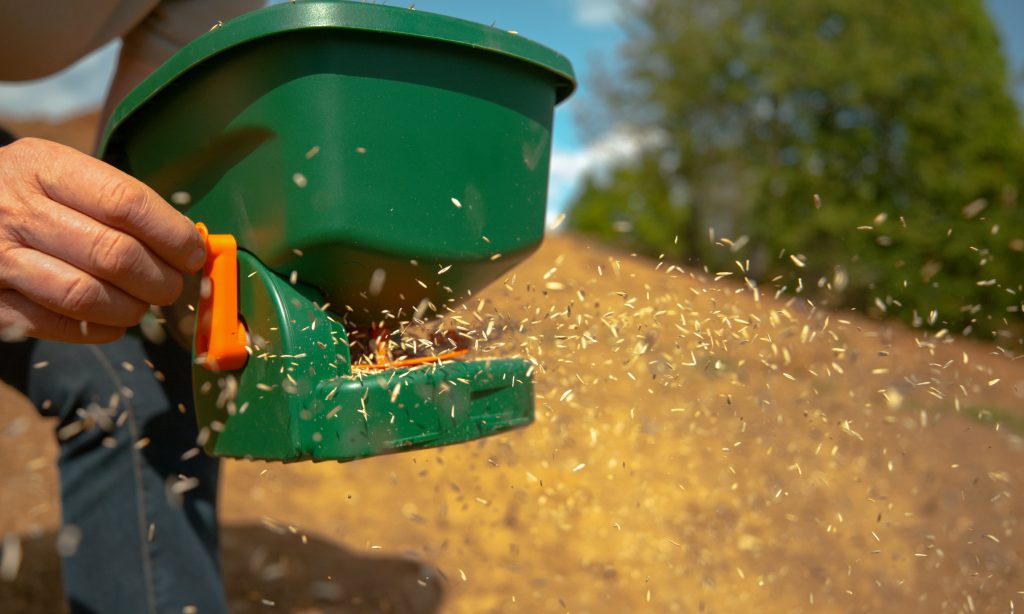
[[221, 335]]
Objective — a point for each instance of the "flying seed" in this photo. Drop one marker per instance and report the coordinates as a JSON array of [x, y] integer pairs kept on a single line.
[[183, 485], [68, 539], [10, 560], [181, 199], [377, 281]]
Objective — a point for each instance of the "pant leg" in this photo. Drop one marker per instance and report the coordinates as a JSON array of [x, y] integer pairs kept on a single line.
[[133, 486]]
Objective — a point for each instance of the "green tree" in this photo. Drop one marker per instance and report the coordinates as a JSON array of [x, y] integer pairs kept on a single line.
[[898, 114]]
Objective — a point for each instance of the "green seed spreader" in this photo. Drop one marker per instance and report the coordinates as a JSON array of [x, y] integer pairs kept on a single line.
[[353, 167]]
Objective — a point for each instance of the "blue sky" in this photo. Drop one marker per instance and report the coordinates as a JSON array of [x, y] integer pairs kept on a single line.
[[580, 29]]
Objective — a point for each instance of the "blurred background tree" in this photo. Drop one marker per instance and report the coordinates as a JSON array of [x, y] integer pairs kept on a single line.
[[898, 114]]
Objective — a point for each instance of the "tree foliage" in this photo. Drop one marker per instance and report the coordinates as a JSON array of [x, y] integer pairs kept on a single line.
[[898, 114]]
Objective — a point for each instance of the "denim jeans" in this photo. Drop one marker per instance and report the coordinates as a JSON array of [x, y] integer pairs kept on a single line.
[[138, 498]]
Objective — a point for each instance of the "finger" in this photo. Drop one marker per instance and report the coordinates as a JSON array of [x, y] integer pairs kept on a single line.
[[23, 318], [119, 200], [60, 287], [102, 251]]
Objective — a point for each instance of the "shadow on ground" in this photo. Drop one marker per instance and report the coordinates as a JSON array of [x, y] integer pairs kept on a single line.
[[316, 577]]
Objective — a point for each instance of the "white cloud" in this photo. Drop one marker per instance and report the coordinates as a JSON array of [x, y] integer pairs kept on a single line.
[[568, 168], [76, 89], [596, 13]]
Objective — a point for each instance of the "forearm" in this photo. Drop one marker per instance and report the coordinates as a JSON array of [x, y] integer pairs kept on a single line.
[[131, 70]]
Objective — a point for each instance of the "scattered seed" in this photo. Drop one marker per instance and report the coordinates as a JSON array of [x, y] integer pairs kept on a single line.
[[377, 281], [181, 199]]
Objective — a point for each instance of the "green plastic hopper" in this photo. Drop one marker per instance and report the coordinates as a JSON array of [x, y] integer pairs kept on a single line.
[[354, 151]]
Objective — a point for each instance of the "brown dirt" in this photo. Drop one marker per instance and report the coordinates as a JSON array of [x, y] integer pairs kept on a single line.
[[695, 450]]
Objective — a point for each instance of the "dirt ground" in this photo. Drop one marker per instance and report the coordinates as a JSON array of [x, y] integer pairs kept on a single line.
[[699, 447]]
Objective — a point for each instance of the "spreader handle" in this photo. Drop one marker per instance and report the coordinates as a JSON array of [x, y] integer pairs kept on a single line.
[[220, 334]]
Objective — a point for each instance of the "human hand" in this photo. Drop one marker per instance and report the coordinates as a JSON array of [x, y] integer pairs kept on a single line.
[[84, 248]]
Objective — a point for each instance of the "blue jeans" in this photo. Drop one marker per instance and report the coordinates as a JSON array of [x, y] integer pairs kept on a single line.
[[138, 500]]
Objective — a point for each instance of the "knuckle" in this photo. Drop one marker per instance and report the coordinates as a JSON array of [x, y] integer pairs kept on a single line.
[[19, 162], [116, 253], [125, 199], [23, 145], [30, 142], [28, 151], [82, 294]]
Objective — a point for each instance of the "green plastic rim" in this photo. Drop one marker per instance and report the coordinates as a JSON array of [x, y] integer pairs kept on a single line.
[[345, 15]]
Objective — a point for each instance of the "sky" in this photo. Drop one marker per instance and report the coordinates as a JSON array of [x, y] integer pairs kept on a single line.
[[583, 30]]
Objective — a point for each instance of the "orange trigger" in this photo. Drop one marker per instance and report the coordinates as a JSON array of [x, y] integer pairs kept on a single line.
[[220, 334]]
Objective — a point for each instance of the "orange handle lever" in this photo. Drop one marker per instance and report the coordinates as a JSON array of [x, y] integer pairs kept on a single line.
[[220, 334]]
